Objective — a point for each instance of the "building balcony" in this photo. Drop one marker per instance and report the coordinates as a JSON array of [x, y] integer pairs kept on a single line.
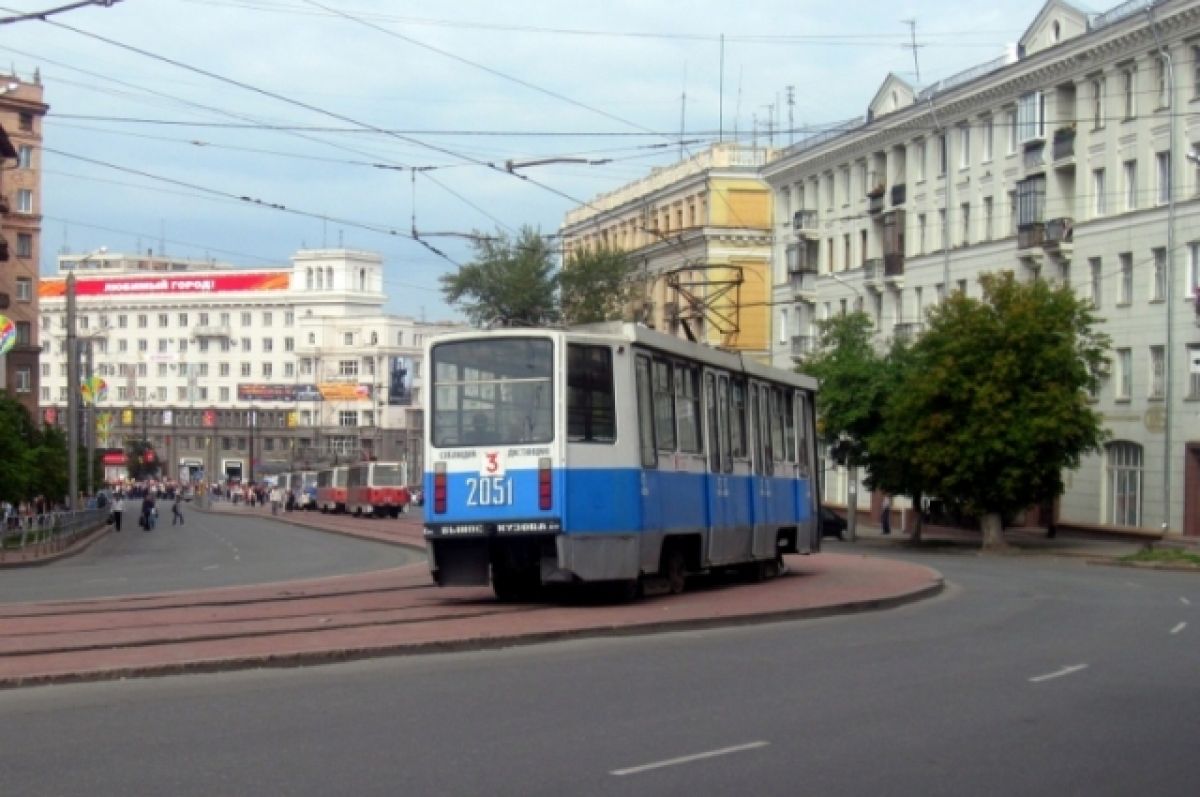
[[873, 273], [893, 265], [1058, 235], [1064, 147], [212, 331], [803, 285], [802, 257], [899, 194], [804, 222], [1030, 235], [1034, 157], [907, 330], [875, 200], [803, 346]]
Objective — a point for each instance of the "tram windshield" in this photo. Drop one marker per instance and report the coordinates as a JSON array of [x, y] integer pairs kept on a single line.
[[492, 391], [388, 476]]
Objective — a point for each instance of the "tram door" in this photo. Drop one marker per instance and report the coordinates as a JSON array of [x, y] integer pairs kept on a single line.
[[725, 543], [764, 468]]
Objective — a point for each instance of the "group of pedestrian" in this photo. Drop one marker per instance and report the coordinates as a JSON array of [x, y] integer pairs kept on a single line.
[[148, 514]]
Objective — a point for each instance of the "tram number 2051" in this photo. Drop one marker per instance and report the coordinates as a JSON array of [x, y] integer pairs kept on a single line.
[[489, 491]]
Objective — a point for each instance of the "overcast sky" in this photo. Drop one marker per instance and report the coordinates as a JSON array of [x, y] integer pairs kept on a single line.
[[164, 112]]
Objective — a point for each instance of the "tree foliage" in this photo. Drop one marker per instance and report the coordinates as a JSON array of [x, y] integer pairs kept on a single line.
[[992, 406], [33, 461], [595, 285], [141, 460], [852, 376], [510, 282]]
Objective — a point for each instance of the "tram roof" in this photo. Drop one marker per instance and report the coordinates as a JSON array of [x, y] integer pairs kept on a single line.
[[642, 335]]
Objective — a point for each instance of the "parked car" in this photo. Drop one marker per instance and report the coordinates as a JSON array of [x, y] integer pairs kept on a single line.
[[832, 524]]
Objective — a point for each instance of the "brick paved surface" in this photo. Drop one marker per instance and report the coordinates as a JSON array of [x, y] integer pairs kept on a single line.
[[394, 611]]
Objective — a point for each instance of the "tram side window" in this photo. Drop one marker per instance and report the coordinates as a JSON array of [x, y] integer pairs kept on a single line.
[[664, 406], [724, 427], [710, 410], [645, 405], [591, 404], [804, 447], [778, 452], [687, 407], [737, 420], [789, 425]]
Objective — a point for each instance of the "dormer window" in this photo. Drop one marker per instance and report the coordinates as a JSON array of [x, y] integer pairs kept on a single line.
[[1055, 32]]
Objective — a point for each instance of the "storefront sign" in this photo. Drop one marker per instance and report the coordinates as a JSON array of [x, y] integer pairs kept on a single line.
[[54, 287]]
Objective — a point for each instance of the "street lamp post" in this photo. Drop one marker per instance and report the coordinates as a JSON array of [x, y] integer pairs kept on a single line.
[[72, 399], [250, 464]]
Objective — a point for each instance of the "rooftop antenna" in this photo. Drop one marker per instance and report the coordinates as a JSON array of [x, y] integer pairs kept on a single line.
[[682, 110], [721, 95], [791, 101], [738, 108], [770, 124], [912, 32], [753, 130]]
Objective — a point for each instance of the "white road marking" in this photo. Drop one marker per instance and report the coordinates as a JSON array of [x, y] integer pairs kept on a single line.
[[210, 567], [1185, 601], [1037, 679], [1178, 628], [670, 762]]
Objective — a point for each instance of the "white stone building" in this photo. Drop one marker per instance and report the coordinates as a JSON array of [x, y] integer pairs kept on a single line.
[[241, 372], [1071, 158]]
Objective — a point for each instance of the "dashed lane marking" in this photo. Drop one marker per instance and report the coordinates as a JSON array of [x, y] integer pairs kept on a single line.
[[687, 759], [1178, 628], [1037, 679]]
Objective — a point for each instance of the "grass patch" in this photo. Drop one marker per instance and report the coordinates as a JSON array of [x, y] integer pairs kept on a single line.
[[1170, 556]]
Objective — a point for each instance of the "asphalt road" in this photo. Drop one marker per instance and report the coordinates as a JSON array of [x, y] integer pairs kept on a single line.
[[209, 550], [1028, 676]]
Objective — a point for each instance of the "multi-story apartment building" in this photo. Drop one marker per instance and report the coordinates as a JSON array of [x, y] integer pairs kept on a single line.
[[21, 113], [1074, 159], [236, 373], [700, 233]]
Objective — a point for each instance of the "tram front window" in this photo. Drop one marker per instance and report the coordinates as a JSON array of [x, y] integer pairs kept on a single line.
[[494, 391]]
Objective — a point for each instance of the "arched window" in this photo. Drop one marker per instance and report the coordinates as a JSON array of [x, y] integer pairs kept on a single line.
[[362, 279], [308, 279], [329, 277], [1123, 479], [320, 281], [1056, 32], [400, 338]]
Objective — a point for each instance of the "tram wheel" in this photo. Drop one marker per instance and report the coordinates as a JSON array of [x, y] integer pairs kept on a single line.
[[674, 570]]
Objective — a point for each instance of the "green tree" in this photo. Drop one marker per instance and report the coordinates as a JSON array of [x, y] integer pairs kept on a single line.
[[510, 282], [49, 472], [141, 460], [994, 406], [18, 445], [851, 372], [596, 285]]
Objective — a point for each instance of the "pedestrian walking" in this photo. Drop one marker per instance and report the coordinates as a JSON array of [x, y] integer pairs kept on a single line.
[[148, 512], [885, 514], [177, 509], [117, 510], [276, 499]]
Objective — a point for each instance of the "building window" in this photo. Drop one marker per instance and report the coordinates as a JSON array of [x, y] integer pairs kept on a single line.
[[245, 369], [1129, 91], [942, 153], [988, 214], [1193, 371], [24, 289], [1157, 372], [347, 418], [921, 225], [347, 367], [1099, 200], [267, 370], [245, 319], [245, 345], [1097, 278], [24, 245], [203, 319], [1160, 82], [965, 212], [1124, 382], [1123, 463], [1125, 286], [964, 146], [1129, 170], [24, 380], [289, 344], [1158, 284], [1162, 161], [268, 344], [24, 157], [919, 159], [289, 369], [1196, 70], [24, 333], [223, 369], [24, 200], [1031, 116], [1193, 269], [1010, 124], [989, 133], [183, 320], [268, 318], [1098, 103], [348, 338]]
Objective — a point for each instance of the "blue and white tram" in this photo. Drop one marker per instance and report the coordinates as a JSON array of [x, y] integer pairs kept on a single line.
[[611, 453]]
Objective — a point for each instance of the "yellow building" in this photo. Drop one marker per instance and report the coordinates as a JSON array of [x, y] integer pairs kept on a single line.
[[700, 233]]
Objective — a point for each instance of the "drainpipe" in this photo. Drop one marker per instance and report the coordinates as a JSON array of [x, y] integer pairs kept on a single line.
[[1169, 296]]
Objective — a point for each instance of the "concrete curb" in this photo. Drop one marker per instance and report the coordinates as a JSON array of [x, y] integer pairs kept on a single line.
[[338, 655]]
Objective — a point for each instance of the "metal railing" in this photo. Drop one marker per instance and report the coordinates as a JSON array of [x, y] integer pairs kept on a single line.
[[50, 532]]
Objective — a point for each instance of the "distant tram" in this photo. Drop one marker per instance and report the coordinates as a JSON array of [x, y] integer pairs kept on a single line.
[[331, 489], [612, 453], [376, 488]]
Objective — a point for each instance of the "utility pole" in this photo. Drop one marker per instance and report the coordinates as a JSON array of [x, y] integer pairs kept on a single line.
[[89, 424], [250, 465], [791, 101], [72, 398]]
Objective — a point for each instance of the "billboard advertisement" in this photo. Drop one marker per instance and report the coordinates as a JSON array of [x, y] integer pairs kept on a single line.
[[400, 381], [326, 391], [175, 284]]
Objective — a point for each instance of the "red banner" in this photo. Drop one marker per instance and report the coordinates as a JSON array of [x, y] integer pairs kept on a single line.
[[167, 284]]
